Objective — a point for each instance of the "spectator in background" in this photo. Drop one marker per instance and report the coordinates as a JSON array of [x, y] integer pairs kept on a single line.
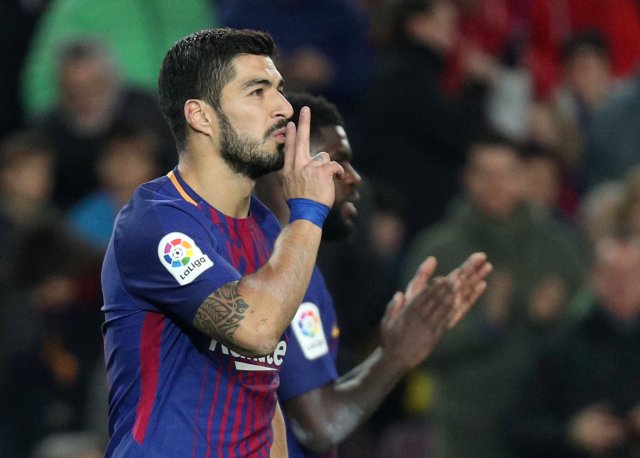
[[92, 100], [599, 209], [129, 159], [588, 81], [550, 23], [598, 217], [548, 189], [408, 118], [53, 309], [562, 122], [26, 185], [27, 161], [138, 32], [581, 397], [536, 269], [613, 138]]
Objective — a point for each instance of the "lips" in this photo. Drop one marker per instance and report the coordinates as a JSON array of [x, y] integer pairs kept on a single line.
[[280, 134], [348, 210]]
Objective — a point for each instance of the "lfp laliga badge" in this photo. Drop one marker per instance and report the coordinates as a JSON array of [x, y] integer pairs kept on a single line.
[[183, 259], [307, 327]]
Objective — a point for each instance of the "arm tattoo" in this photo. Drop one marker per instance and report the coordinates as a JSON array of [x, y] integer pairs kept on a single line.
[[221, 312]]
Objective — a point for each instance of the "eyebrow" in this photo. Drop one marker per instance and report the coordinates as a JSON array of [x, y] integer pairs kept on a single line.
[[262, 82]]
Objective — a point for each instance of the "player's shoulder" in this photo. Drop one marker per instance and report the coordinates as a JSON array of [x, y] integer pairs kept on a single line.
[[318, 294], [156, 200], [154, 210]]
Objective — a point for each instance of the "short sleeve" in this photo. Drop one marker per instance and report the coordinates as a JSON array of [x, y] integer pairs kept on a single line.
[[169, 259], [309, 362]]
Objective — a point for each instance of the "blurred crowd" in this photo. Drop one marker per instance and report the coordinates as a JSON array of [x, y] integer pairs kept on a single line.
[[505, 126]]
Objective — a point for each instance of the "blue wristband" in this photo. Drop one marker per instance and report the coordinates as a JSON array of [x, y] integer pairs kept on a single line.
[[308, 209]]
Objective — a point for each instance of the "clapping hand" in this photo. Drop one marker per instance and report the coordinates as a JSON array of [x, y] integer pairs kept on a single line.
[[416, 319]]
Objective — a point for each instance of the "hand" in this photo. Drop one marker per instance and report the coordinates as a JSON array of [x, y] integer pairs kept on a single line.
[[596, 429], [411, 330], [418, 282], [416, 320], [306, 176], [469, 283]]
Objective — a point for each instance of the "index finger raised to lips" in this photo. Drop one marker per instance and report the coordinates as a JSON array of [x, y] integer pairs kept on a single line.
[[302, 154], [289, 147]]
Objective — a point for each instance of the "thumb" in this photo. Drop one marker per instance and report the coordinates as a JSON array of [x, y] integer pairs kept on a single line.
[[422, 276]]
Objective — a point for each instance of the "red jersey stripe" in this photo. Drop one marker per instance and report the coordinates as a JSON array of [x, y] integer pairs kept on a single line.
[[150, 344]]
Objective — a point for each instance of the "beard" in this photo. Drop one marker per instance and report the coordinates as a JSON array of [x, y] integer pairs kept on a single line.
[[336, 227], [247, 156]]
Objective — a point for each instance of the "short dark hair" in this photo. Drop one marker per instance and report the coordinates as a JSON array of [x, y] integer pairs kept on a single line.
[[491, 137], [41, 250], [130, 132], [16, 146], [323, 112], [585, 40], [402, 10], [82, 49], [199, 65]]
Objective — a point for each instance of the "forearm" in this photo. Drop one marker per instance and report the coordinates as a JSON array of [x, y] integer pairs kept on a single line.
[[275, 291], [251, 315], [324, 417]]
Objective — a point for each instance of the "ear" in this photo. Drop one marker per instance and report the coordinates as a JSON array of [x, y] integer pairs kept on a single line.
[[200, 117]]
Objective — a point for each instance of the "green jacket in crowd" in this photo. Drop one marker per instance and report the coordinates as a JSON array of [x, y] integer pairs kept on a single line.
[[476, 365], [137, 32]]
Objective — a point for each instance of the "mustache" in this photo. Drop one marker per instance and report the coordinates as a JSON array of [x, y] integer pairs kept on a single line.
[[279, 125]]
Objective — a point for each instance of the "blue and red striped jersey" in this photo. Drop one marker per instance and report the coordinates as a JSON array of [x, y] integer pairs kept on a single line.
[[173, 391]]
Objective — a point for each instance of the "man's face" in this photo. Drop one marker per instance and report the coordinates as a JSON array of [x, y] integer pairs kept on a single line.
[[30, 179], [588, 74], [494, 180], [89, 90], [252, 117], [341, 220], [615, 277]]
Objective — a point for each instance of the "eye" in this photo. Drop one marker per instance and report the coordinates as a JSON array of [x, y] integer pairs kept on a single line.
[[258, 91]]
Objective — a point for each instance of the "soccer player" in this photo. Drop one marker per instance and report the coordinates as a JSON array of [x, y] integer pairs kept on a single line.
[[198, 286], [199, 280], [320, 409]]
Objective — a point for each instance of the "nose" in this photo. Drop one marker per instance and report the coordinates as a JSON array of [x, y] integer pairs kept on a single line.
[[283, 108], [351, 176]]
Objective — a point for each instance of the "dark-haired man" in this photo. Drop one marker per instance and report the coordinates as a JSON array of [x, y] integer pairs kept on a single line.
[[193, 325], [200, 282], [537, 267], [321, 409]]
